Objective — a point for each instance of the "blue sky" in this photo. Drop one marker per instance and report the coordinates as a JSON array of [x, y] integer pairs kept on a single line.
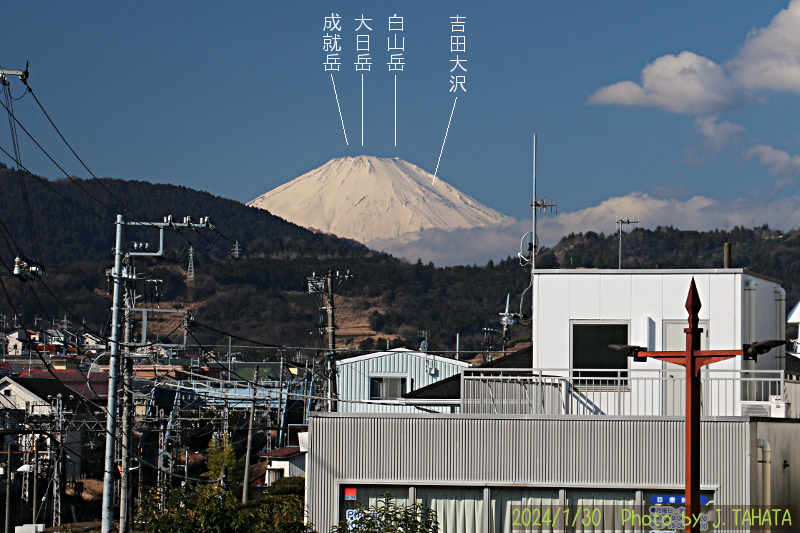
[[681, 112]]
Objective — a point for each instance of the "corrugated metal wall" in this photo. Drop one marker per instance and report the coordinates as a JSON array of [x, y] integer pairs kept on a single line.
[[479, 450], [353, 379]]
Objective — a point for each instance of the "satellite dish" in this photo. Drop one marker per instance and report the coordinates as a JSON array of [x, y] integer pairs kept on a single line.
[[423, 347], [526, 247]]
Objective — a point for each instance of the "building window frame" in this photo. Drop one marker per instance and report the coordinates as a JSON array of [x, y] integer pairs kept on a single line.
[[403, 377], [614, 381]]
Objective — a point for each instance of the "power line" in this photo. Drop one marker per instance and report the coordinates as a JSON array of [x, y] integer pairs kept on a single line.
[[76, 155], [44, 182], [54, 161], [23, 189]]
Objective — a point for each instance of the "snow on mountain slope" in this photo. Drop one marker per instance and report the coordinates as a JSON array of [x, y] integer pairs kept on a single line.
[[367, 198]]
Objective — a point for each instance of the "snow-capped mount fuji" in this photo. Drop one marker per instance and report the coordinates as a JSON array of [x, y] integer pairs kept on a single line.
[[367, 198]]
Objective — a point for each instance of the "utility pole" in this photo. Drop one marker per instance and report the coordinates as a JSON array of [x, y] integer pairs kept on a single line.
[[627, 221], [162, 448], [57, 461], [124, 490], [280, 403], [35, 471], [331, 329], [113, 368], [246, 484], [325, 285], [8, 487], [125, 486]]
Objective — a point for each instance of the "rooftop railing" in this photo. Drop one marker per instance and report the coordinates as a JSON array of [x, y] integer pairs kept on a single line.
[[633, 392]]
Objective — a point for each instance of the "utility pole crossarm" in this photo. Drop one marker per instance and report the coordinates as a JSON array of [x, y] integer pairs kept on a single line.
[[23, 75]]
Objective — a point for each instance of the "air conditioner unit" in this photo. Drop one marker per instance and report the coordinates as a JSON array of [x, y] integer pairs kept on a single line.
[[771, 409], [780, 409]]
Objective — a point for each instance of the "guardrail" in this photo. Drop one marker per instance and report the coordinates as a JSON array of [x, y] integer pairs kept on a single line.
[[635, 392]]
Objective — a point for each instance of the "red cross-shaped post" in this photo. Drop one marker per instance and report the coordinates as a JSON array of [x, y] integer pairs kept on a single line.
[[693, 358]]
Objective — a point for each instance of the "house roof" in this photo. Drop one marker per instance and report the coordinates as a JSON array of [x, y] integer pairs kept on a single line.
[[450, 388], [282, 453], [394, 351], [44, 388], [91, 385]]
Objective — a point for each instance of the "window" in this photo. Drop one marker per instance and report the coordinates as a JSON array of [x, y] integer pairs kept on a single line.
[[590, 349], [458, 510], [386, 388]]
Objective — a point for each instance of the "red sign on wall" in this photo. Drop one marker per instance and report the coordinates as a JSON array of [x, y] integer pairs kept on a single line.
[[350, 493]]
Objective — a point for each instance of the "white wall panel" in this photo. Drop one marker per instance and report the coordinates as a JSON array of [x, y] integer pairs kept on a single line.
[[552, 321], [615, 297], [584, 297]]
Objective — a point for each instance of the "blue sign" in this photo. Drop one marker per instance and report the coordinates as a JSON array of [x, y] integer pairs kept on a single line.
[[674, 499]]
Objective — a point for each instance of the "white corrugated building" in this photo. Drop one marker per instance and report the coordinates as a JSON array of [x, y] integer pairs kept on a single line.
[[382, 378]]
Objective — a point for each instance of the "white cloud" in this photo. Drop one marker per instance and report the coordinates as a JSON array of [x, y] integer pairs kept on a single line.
[[685, 83], [719, 134], [456, 247], [478, 245], [770, 57], [698, 213], [778, 161]]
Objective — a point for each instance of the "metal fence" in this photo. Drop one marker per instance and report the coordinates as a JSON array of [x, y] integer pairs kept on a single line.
[[640, 392]]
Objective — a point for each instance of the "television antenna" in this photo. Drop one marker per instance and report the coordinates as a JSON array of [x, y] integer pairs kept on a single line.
[[530, 242], [627, 221]]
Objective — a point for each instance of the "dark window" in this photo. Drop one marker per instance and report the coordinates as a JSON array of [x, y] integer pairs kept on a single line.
[[590, 349], [386, 388]]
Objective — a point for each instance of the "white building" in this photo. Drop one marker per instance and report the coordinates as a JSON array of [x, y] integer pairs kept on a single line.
[[647, 308], [382, 378]]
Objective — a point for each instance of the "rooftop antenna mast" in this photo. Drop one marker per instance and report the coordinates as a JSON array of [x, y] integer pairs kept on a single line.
[[537, 204], [626, 221]]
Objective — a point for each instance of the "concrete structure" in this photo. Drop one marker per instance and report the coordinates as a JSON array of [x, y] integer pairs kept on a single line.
[[382, 378]]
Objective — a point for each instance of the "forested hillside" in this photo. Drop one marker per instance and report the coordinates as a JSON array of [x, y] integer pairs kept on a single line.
[[262, 295]]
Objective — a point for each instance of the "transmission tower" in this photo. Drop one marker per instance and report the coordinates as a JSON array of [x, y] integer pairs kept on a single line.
[[190, 270], [237, 250], [627, 222]]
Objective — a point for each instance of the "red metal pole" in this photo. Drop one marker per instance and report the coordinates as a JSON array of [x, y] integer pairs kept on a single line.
[[693, 385]]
